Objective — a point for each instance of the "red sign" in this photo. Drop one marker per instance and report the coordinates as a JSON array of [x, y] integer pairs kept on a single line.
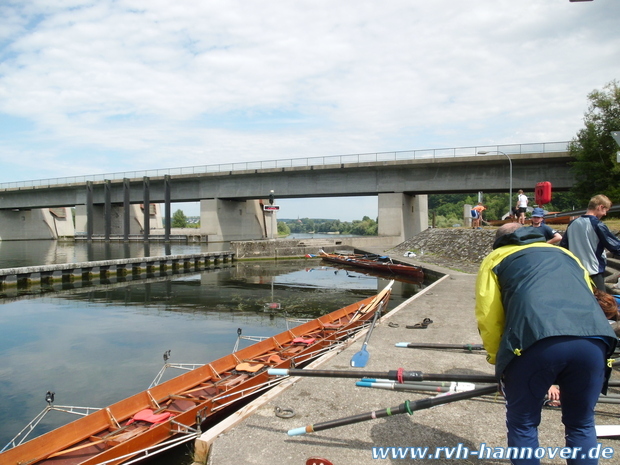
[[271, 208]]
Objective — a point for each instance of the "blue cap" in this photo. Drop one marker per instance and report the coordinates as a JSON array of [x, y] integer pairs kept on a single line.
[[538, 212]]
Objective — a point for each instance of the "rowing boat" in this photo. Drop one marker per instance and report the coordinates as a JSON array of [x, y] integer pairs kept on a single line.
[[174, 412], [381, 264]]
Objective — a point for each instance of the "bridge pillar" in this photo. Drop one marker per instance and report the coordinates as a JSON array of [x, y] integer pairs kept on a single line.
[[40, 223], [121, 222], [402, 215], [235, 220]]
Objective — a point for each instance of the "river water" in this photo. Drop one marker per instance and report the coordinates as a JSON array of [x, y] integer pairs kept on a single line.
[[98, 344]]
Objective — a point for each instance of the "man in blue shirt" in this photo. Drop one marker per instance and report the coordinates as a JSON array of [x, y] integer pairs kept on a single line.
[[552, 236], [587, 237]]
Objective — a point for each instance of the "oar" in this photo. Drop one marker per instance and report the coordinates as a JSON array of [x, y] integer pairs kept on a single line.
[[394, 386], [406, 407], [431, 345], [374, 302], [395, 375], [360, 359]]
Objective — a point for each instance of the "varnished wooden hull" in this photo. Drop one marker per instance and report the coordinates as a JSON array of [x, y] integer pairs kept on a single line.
[[368, 264], [105, 436]]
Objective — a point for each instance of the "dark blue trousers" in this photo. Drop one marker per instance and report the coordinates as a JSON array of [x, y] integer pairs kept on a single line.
[[577, 365]]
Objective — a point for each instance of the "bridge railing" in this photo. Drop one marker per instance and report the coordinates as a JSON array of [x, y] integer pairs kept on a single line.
[[330, 160]]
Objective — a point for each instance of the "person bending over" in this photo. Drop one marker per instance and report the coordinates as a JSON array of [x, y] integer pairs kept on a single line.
[[538, 334]]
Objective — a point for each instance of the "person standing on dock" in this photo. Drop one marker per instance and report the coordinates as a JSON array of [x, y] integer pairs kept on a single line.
[[538, 335], [587, 237], [521, 206]]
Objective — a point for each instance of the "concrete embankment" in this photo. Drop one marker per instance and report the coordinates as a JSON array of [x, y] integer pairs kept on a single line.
[[261, 437]]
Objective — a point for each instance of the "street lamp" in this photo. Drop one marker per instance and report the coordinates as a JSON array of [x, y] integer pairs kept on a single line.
[[484, 152]]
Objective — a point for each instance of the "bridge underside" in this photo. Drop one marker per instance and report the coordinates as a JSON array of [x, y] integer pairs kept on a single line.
[[400, 217]]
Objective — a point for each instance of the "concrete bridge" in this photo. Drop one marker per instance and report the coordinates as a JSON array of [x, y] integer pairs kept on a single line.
[[232, 195]]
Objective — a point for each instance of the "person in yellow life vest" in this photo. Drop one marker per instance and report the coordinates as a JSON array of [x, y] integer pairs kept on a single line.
[[539, 334]]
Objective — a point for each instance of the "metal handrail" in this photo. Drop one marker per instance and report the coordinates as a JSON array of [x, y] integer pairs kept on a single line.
[[331, 160]]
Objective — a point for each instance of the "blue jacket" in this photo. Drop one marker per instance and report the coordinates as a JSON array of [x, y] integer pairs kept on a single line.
[[587, 237], [528, 290]]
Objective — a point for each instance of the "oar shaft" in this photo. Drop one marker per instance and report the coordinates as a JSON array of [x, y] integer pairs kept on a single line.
[[430, 345], [392, 385], [424, 383], [392, 374], [403, 387], [407, 407]]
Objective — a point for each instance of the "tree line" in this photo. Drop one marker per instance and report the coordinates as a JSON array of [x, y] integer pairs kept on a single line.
[[364, 227]]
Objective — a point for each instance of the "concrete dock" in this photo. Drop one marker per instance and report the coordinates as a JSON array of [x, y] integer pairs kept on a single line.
[[261, 436]]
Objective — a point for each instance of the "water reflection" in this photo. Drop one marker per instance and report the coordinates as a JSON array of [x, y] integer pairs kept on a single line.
[[32, 253], [96, 345]]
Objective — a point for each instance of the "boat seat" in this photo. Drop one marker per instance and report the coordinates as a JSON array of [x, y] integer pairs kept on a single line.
[[301, 340], [150, 417], [293, 349], [274, 360], [249, 367], [332, 326], [181, 404]]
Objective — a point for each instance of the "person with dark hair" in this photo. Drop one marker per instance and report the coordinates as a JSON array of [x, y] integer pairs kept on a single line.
[[588, 237], [538, 334]]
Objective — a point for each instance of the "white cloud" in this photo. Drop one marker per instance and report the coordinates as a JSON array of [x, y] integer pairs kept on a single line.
[[106, 86]]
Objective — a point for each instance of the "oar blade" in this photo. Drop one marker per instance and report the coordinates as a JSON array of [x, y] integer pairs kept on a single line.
[[360, 359]]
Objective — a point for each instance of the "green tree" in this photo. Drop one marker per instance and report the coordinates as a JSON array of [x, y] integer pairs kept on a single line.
[[283, 229], [594, 149], [179, 220]]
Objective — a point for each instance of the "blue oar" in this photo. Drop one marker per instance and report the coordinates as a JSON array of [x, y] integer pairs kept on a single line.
[[360, 359]]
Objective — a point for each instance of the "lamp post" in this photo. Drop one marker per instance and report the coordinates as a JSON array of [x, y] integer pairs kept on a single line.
[[484, 152]]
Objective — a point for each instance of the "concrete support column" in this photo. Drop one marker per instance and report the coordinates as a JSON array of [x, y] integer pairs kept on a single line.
[[232, 220], [107, 209], [147, 208], [167, 213], [271, 223], [90, 214], [126, 207], [402, 215]]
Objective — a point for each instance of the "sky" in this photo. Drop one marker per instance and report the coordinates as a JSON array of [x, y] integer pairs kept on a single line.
[[109, 86]]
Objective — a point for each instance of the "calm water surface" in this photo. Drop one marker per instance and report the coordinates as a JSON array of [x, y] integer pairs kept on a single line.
[[97, 345]]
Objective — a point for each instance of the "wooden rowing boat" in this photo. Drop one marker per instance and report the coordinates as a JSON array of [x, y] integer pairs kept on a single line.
[[151, 421], [381, 264]]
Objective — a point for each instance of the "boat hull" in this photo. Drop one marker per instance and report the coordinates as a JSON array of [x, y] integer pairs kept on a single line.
[[111, 436], [368, 264]]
